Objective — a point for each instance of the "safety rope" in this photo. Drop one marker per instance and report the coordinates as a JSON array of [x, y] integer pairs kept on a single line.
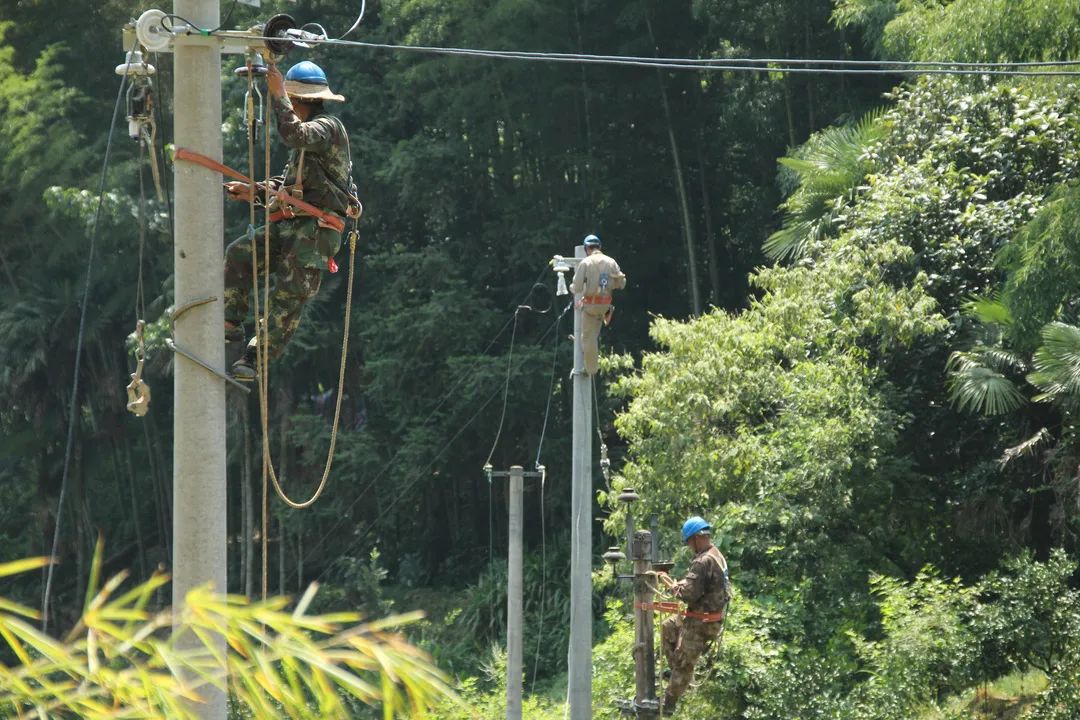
[[262, 345]]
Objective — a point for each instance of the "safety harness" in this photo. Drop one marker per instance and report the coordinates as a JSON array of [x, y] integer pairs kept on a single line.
[[674, 608], [290, 205]]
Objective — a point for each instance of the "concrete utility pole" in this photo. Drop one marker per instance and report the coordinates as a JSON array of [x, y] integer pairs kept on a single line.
[[199, 419], [641, 552], [580, 660], [515, 592], [515, 613]]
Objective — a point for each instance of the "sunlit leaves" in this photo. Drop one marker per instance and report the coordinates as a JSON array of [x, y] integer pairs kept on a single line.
[[1057, 363], [278, 663], [829, 169]]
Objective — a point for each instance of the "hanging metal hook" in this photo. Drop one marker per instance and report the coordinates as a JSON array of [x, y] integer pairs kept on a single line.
[[138, 392]]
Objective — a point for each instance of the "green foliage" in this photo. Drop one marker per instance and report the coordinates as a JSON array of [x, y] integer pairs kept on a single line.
[[828, 169], [976, 382], [966, 30], [1040, 265], [1057, 364], [272, 661], [1033, 617], [926, 647]]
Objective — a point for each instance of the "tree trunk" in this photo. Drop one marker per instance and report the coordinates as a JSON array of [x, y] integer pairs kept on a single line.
[[812, 122], [140, 545], [586, 184], [680, 186]]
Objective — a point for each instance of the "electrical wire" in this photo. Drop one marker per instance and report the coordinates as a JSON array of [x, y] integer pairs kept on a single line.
[[78, 355], [465, 375], [551, 384], [363, 7], [728, 64], [543, 482], [400, 492], [506, 388]]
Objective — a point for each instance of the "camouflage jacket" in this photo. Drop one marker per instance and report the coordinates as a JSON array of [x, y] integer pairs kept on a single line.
[[327, 166], [704, 588], [597, 274]]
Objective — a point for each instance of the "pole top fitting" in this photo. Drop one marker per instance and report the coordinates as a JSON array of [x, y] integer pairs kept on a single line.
[[614, 555], [628, 496]]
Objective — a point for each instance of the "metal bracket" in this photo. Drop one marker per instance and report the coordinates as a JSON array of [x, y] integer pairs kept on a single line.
[[205, 365]]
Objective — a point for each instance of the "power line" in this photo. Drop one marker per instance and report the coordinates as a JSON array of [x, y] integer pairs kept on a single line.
[[466, 374], [401, 491], [825, 66], [78, 354]]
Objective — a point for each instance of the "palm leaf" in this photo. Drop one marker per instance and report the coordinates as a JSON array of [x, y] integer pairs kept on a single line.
[[1057, 362], [977, 388], [828, 169]]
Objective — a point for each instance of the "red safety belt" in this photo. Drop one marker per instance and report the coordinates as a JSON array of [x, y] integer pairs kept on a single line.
[[675, 608], [329, 219]]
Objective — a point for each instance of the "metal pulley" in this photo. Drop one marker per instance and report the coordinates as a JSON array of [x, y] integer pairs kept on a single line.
[[281, 34]]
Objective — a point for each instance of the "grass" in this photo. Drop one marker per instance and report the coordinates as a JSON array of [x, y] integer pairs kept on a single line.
[[1007, 698]]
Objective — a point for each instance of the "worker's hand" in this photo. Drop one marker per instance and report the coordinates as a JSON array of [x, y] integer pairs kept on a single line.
[[238, 190], [274, 82], [665, 578]]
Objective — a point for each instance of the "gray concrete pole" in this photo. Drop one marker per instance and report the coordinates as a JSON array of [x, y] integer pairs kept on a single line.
[[580, 661], [515, 594], [199, 498]]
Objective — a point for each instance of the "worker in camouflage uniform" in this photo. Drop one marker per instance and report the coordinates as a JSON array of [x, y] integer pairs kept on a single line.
[[706, 591], [319, 172], [595, 277]]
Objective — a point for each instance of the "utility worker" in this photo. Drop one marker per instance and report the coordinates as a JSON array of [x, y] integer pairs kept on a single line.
[[706, 591], [319, 172], [595, 277]]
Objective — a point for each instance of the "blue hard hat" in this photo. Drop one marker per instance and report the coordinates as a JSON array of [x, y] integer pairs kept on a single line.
[[693, 526], [307, 82], [591, 241], [308, 73]]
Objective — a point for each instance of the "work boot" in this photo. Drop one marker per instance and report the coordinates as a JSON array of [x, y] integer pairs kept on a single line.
[[668, 708], [244, 369]]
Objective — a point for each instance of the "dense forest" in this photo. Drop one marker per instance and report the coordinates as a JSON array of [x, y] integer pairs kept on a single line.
[[850, 339]]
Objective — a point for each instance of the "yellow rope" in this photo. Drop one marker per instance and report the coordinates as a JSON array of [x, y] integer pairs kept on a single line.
[[262, 348]]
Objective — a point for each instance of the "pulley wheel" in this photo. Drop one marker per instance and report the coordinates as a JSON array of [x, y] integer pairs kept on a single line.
[[149, 31], [276, 28]]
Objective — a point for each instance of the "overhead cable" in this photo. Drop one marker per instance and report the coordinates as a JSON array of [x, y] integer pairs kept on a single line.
[[822, 66], [74, 399]]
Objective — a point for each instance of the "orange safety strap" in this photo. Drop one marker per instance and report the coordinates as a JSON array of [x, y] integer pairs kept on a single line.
[[332, 221], [595, 300], [675, 608]]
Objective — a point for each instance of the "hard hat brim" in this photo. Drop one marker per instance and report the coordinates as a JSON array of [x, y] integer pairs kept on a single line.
[[306, 92]]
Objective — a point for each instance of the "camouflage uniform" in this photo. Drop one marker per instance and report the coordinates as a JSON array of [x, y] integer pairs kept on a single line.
[[704, 589], [299, 247], [595, 277]]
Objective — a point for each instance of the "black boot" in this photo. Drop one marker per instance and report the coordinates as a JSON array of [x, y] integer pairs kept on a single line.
[[668, 708], [244, 369]]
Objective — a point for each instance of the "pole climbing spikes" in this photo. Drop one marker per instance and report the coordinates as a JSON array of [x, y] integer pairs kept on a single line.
[[138, 392]]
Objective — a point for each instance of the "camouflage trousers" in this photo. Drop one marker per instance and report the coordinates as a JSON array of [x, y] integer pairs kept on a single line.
[[299, 250], [684, 640], [592, 318]]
